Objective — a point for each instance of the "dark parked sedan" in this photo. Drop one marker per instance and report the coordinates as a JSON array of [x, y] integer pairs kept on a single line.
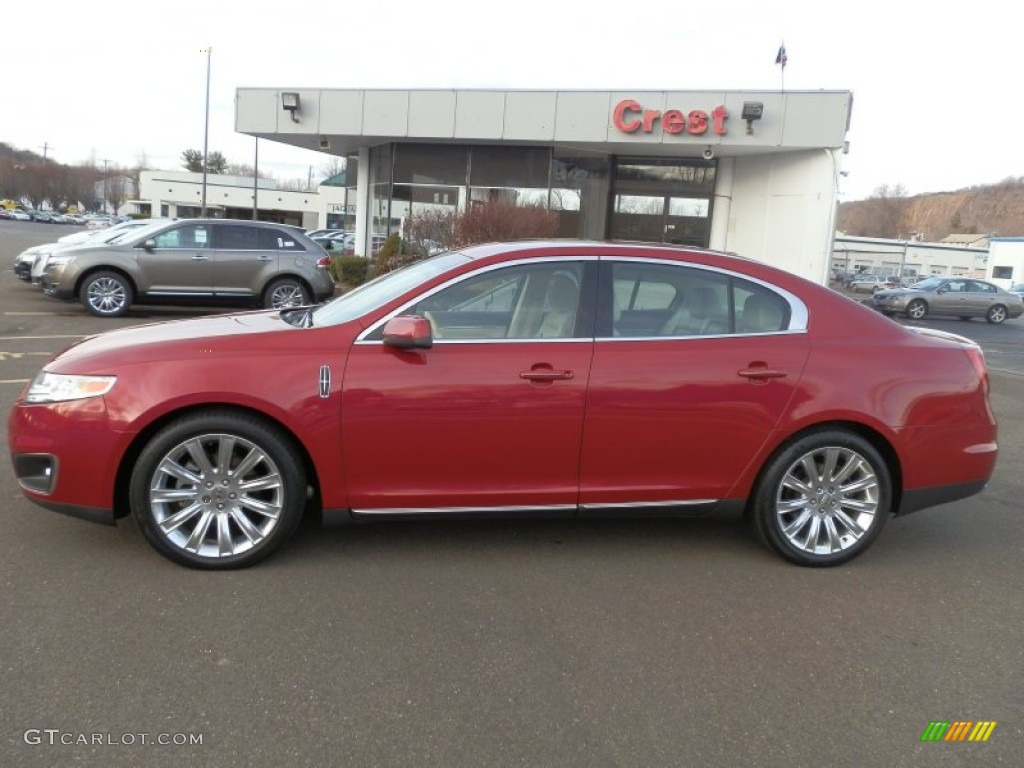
[[553, 379], [958, 296]]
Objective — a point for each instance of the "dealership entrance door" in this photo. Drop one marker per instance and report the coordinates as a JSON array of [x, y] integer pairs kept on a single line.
[[662, 200]]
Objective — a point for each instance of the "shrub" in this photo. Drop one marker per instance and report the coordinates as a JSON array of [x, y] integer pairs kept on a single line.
[[349, 271]]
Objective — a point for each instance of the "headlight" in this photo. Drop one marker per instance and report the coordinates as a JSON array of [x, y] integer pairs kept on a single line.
[[59, 387], [56, 261]]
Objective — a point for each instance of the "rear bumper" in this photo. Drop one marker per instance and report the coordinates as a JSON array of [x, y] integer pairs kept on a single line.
[[922, 498]]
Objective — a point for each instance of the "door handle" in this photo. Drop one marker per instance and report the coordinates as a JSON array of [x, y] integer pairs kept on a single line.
[[762, 373], [200, 257], [546, 375]]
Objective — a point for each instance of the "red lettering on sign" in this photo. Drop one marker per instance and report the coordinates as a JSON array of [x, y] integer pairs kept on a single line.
[[619, 116], [698, 122], [719, 115], [629, 117], [673, 121]]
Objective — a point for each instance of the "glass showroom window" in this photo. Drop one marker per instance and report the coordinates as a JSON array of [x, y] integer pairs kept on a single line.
[[518, 176], [579, 195]]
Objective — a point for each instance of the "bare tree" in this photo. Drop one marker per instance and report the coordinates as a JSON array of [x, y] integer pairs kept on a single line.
[[332, 167], [118, 188]]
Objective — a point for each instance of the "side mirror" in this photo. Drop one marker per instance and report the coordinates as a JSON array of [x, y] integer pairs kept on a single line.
[[408, 332], [149, 244]]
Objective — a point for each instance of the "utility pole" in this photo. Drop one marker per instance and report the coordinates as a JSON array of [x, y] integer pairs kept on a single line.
[[45, 147], [206, 128], [105, 161], [256, 181]]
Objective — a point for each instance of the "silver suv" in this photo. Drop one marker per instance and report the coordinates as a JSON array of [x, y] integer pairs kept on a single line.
[[273, 265]]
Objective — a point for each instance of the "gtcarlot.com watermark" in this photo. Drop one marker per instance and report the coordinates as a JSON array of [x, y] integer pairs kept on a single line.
[[57, 737]]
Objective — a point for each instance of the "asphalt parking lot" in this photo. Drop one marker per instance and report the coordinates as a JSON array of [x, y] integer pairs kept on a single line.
[[597, 643]]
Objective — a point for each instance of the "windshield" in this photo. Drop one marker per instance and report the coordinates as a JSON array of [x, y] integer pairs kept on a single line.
[[929, 284], [133, 232], [383, 289]]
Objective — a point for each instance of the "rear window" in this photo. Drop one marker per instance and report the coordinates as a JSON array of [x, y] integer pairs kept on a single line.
[[278, 239]]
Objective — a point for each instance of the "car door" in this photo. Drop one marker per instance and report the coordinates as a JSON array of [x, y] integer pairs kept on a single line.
[[179, 262], [951, 298], [980, 296], [240, 260], [677, 410], [490, 417]]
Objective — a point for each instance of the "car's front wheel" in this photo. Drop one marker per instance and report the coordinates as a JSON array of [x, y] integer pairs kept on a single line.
[[823, 499], [996, 314], [107, 294], [218, 490], [284, 293], [917, 309]]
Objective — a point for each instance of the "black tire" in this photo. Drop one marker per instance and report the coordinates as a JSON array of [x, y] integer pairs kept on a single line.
[[917, 309], [107, 294], [996, 314], [819, 526], [286, 292], [188, 490]]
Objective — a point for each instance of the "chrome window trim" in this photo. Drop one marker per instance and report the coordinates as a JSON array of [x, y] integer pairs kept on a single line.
[[798, 314], [361, 338], [699, 337], [797, 309]]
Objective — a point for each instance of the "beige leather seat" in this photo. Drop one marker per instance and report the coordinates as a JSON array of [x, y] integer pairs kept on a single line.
[[560, 303]]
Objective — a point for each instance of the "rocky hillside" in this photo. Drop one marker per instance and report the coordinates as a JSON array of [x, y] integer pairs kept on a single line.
[[993, 209]]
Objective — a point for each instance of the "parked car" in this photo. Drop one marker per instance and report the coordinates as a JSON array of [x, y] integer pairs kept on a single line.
[[504, 380], [17, 215], [1017, 288], [316, 234], [31, 263], [867, 283], [956, 296], [99, 222], [272, 265]]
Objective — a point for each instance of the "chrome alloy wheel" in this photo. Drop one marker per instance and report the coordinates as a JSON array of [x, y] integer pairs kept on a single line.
[[827, 500], [216, 495], [288, 294], [106, 295]]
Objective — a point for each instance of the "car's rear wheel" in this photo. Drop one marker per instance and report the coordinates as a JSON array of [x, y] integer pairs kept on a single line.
[[996, 314], [107, 294], [917, 309], [218, 490], [286, 292], [823, 499]]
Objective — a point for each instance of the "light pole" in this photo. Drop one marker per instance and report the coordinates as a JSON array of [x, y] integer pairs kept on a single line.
[[256, 180], [105, 162], [206, 128]]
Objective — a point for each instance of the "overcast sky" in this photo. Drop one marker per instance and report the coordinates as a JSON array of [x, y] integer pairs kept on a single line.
[[937, 100]]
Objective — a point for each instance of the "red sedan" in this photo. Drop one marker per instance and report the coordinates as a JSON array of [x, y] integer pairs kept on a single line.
[[557, 379]]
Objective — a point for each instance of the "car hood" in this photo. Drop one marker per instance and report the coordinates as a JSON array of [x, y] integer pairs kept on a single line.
[[176, 339]]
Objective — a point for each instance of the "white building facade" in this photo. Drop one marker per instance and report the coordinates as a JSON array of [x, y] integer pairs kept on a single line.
[[907, 258], [750, 172], [1006, 261], [179, 194]]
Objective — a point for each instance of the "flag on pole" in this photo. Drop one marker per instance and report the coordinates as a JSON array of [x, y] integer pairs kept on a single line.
[[780, 57]]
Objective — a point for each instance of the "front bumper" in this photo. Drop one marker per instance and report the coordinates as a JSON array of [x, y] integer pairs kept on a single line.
[[65, 456]]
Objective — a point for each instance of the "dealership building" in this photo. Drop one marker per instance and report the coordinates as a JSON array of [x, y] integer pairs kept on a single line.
[[754, 172]]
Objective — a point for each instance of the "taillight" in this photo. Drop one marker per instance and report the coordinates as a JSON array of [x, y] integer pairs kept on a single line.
[[977, 358], [323, 262]]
